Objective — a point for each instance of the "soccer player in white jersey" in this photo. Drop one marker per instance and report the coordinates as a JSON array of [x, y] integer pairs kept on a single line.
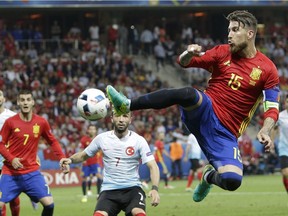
[[282, 128], [5, 114], [193, 153], [122, 152]]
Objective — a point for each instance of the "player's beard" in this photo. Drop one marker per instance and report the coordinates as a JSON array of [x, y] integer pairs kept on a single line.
[[238, 48], [120, 129]]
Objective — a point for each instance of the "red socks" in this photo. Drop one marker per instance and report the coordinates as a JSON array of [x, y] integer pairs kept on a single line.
[[285, 182], [140, 214], [199, 175], [190, 180], [15, 207], [3, 212]]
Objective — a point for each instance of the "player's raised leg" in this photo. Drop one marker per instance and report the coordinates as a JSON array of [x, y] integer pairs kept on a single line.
[[186, 97], [120, 102]]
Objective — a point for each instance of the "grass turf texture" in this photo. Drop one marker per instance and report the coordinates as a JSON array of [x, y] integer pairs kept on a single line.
[[258, 195]]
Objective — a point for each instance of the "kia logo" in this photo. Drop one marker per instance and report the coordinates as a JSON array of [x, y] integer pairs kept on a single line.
[[48, 177]]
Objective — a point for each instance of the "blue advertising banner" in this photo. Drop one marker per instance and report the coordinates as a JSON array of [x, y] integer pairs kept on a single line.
[[133, 3]]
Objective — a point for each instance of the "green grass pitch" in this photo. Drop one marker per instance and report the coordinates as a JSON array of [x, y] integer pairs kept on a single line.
[[258, 196]]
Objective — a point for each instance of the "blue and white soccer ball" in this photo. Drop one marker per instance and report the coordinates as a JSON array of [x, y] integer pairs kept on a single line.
[[92, 104]]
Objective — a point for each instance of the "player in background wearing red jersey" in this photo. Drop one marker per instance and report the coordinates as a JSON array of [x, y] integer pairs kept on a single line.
[[19, 138], [159, 152], [241, 78], [99, 173], [89, 167]]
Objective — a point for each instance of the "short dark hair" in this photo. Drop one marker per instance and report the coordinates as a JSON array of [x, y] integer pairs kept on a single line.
[[244, 17], [25, 91]]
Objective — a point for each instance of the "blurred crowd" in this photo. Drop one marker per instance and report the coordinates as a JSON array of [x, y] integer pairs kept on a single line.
[[59, 66]]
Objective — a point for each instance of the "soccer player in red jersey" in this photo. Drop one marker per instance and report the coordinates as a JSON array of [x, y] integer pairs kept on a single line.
[[19, 139], [99, 173], [241, 78], [89, 167], [159, 152]]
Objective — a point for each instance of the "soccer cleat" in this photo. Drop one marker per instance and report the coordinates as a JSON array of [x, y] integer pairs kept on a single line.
[[119, 101], [188, 189], [169, 187], [89, 193], [203, 188], [84, 199]]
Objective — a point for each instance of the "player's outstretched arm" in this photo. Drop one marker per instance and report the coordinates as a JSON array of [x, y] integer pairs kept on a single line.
[[76, 158], [155, 177]]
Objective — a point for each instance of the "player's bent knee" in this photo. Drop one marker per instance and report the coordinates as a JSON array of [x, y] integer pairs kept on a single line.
[[231, 184], [231, 181], [46, 201]]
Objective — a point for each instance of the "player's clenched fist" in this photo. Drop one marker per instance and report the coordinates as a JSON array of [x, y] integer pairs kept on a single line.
[[64, 165]]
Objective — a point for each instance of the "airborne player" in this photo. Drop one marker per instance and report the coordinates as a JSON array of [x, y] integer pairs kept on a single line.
[[241, 78]]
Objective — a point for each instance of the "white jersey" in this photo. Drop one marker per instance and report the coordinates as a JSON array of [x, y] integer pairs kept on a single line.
[[3, 116], [121, 158], [195, 150], [283, 133]]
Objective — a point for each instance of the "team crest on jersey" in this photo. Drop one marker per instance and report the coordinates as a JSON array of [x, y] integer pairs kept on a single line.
[[17, 130], [255, 73], [36, 130], [130, 151]]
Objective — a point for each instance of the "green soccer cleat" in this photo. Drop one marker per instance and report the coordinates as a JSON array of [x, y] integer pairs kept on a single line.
[[119, 101], [203, 188]]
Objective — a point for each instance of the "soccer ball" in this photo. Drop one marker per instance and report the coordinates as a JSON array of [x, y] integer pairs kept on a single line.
[[92, 104]]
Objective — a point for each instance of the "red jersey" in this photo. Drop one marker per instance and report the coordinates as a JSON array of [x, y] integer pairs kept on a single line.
[[158, 154], [20, 139], [99, 158], [85, 141], [236, 84]]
